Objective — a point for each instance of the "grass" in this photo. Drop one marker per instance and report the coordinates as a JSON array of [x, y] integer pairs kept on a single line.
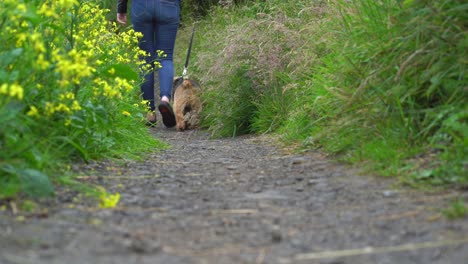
[[456, 210], [376, 83], [235, 118]]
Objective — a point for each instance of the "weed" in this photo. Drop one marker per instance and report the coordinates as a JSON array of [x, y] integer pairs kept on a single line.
[[456, 210]]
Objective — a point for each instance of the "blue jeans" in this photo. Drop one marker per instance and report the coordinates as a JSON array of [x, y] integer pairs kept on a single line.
[[158, 21]]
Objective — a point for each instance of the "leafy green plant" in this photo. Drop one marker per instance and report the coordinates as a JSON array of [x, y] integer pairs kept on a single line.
[[68, 92]]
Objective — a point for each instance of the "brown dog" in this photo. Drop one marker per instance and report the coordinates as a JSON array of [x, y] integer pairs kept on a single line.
[[187, 103]]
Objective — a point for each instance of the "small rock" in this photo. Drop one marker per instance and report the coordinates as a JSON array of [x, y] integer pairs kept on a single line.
[[389, 193], [276, 236], [144, 246], [313, 182], [297, 161], [256, 189]]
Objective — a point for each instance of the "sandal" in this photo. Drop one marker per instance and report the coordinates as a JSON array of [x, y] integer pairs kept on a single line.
[[167, 114], [151, 119]]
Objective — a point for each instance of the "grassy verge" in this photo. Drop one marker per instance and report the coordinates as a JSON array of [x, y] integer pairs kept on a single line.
[[376, 83]]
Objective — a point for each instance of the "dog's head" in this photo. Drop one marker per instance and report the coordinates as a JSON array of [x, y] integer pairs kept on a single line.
[[177, 82]]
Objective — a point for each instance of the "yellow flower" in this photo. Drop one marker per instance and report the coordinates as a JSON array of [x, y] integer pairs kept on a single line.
[[76, 105], [61, 107], [125, 113], [21, 7], [49, 108], [36, 39], [39, 46], [67, 122], [46, 10], [4, 89], [16, 90], [67, 95], [107, 200], [41, 62], [123, 84], [33, 112], [20, 38], [66, 4]]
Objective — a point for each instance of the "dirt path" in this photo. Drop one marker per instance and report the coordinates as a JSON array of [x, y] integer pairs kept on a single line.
[[238, 201]]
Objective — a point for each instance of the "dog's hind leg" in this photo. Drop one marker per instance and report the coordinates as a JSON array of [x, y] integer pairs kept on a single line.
[[181, 126]]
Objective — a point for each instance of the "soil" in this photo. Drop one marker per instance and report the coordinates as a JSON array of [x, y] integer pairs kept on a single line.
[[237, 200]]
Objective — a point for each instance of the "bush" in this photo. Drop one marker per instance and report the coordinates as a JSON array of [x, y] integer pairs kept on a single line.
[[68, 87]]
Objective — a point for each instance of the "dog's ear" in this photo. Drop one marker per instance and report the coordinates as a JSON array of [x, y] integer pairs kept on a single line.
[[177, 81]]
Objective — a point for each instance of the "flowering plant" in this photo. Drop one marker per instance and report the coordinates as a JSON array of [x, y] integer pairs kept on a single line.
[[68, 87]]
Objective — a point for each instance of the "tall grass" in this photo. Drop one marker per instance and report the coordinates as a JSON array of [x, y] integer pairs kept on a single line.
[[400, 80], [261, 41], [380, 83]]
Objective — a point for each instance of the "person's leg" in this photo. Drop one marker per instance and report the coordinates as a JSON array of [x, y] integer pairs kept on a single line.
[[143, 22], [168, 19], [166, 76]]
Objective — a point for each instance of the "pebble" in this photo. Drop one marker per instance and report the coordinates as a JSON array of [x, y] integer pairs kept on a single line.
[[389, 193]]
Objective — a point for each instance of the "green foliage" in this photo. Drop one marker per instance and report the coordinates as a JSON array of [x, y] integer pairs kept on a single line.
[[31, 182], [235, 116], [69, 91], [198, 9], [457, 210], [405, 63], [375, 82], [257, 37], [192, 9], [273, 106]]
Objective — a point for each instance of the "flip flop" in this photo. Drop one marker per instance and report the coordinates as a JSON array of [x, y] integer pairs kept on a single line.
[[151, 122], [167, 114]]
